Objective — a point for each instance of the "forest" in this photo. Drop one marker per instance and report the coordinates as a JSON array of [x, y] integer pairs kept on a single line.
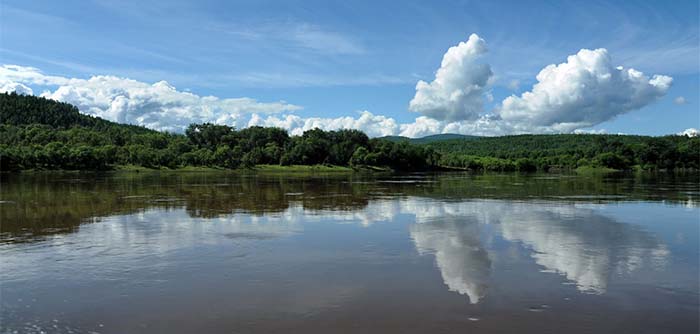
[[570, 151], [42, 134]]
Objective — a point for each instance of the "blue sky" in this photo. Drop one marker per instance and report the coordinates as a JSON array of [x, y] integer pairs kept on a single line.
[[333, 59]]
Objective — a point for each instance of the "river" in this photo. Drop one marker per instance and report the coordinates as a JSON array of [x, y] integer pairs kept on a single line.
[[348, 253]]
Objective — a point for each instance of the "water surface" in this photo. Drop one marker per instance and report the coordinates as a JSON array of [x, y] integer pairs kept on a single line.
[[420, 253]]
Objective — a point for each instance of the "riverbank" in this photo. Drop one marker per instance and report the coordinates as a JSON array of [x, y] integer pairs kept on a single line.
[[312, 169], [257, 168]]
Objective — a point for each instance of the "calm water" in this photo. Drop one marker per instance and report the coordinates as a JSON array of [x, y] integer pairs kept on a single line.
[[232, 253]]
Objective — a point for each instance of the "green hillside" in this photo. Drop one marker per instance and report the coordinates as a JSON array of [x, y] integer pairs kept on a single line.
[[21, 110], [542, 152], [429, 139], [38, 133]]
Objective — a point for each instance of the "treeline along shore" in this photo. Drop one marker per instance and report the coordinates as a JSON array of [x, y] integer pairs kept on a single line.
[[42, 134]]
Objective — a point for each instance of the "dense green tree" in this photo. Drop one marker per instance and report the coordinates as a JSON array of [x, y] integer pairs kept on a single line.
[[612, 160], [359, 157], [568, 151], [38, 133]]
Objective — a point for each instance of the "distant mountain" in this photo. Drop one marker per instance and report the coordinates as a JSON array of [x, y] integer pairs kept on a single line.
[[430, 139]]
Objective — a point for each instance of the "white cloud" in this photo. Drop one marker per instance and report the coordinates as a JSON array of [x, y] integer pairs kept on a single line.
[[487, 125], [460, 84], [691, 132], [16, 87], [30, 75], [157, 106], [379, 126], [372, 125], [591, 131], [680, 100], [582, 92], [570, 97], [423, 126]]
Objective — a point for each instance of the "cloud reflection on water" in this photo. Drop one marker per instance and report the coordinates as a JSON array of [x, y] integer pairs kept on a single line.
[[464, 264], [574, 241]]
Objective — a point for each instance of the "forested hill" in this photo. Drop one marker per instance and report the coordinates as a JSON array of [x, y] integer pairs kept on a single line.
[[26, 109], [562, 151], [543, 152], [429, 139], [37, 133]]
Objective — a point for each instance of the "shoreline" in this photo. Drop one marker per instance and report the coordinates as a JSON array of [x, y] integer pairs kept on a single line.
[[312, 169]]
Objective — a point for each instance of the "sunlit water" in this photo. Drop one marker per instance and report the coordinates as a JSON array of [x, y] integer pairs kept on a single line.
[[231, 253]]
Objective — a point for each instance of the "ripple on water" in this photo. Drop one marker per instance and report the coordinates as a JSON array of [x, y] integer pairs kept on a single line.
[[538, 308]]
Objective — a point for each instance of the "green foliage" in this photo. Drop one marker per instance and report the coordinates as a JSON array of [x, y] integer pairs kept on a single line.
[[37, 133], [612, 160], [525, 165], [569, 151], [19, 110], [429, 139]]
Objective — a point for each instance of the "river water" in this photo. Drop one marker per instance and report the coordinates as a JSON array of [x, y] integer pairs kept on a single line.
[[348, 253]]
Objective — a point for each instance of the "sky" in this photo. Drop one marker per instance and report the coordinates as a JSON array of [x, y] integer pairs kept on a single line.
[[411, 68]]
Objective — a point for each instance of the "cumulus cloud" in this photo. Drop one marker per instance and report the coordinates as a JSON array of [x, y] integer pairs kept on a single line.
[[379, 126], [30, 75], [691, 132], [590, 131], [584, 91], [680, 100], [372, 125], [570, 97], [423, 126], [158, 106], [460, 84], [16, 87]]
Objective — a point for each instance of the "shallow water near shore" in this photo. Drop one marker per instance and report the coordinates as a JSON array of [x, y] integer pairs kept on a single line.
[[419, 253]]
